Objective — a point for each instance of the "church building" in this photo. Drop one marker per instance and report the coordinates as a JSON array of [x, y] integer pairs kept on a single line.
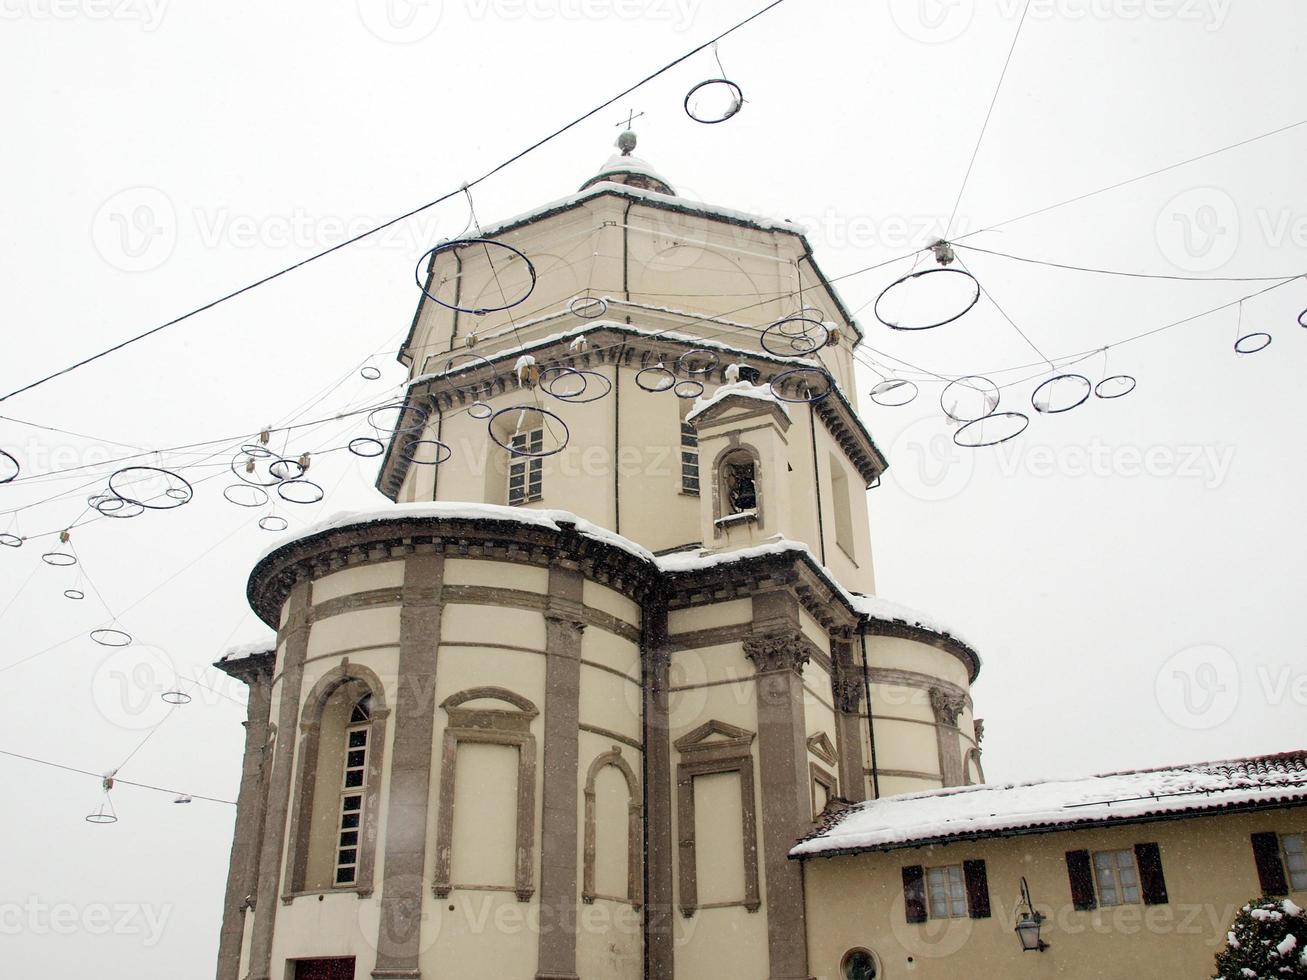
[[562, 708]]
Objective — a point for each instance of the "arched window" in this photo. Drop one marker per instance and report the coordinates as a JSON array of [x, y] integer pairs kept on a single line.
[[612, 872], [337, 784]]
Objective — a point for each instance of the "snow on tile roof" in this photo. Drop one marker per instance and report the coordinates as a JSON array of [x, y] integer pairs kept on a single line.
[[244, 651], [1002, 809], [744, 389]]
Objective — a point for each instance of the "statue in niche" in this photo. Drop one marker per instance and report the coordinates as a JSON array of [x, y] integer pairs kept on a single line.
[[741, 488]]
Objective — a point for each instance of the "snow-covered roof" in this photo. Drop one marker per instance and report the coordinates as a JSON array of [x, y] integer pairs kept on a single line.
[[620, 164], [648, 197], [1004, 809], [244, 651], [742, 389]]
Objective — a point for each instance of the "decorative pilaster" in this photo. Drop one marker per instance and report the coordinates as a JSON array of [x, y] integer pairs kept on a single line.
[[256, 672], [948, 706], [400, 928], [558, 846], [779, 656], [659, 917], [847, 688], [295, 636]]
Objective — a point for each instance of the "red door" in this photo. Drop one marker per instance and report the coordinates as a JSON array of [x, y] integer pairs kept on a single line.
[[337, 969]]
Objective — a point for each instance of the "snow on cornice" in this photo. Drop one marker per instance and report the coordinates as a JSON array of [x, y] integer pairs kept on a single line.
[[969, 812], [740, 389], [649, 197], [244, 651]]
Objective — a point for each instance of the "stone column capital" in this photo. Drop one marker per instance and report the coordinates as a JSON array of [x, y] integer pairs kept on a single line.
[[779, 650]]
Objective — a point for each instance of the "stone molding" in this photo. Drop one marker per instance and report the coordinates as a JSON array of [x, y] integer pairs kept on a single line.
[[635, 830]]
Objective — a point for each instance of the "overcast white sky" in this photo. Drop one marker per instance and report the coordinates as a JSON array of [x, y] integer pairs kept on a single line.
[[1131, 571]]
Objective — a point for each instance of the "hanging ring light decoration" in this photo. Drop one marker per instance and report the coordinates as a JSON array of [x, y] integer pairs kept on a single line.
[[588, 307], [273, 522], [245, 466], [656, 378], [245, 495], [10, 540], [1046, 399], [795, 335], [601, 385], [175, 697], [1115, 386], [480, 410], [176, 490], [911, 276], [99, 816], [284, 468], [108, 636], [713, 89], [378, 418], [813, 384], [486, 243], [969, 398], [526, 415], [9, 468], [466, 361], [300, 492], [1302, 318], [893, 392], [77, 595], [699, 361], [370, 372], [110, 505], [366, 446], [689, 388], [59, 559], [1251, 343], [1001, 426], [425, 452]]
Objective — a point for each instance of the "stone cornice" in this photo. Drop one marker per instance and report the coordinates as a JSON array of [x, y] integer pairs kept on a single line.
[[615, 343], [248, 668], [383, 540]]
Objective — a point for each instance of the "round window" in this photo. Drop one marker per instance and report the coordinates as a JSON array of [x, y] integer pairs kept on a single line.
[[859, 964]]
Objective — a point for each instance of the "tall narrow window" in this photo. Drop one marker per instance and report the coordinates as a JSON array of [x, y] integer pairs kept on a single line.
[[1295, 859], [525, 481], [689, 459], [839, 492], [353, 784]]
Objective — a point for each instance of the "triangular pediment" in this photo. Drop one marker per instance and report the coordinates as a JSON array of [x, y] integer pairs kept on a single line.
[[740, 408], [821, 746], [712, 734]]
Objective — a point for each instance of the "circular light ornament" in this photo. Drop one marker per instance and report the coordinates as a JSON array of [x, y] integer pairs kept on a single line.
[[370, 372], [969, 398], [1116, 386], [528, 419], [273, 522], [990, 430], [151, 487], [300, 492], [897, 304], [698, 362], [480, 410], [109, 637], [59, 559], [592, 386], [466, 361], [689, 388], [812, 383], [588, 307], [388, 418], [77, 595], [366, 446], [284, 468], [795, 336], [893, 392], [656, 378], [101, 817], [517, 270], [714, 100], [425, 452], [245, 495], [175, 697], [1251, 343], [10, 540], [9, 468], [1061, 393]]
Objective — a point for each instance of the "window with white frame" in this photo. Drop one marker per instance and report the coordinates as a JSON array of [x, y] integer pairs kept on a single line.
[[353, 784], [525, 480], [1294, 848], [946, 892], [1116, 877], [689, 459]]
